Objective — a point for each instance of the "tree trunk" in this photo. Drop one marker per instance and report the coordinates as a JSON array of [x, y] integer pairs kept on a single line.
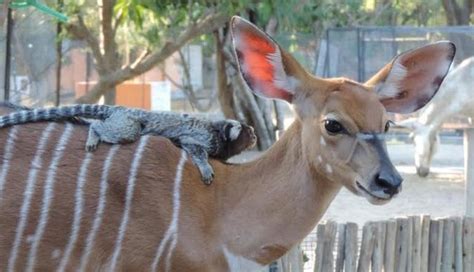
[[237, 101], [264, 140], [108, 62], [109, 96], [266, 107], [456, 15], [459, 15], [225, 93]]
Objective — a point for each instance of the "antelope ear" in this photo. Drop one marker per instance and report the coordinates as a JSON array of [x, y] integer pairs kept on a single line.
[[413, 78], [265, 67]]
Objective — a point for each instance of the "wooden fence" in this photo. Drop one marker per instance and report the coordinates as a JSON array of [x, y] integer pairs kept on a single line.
[[415, 243]]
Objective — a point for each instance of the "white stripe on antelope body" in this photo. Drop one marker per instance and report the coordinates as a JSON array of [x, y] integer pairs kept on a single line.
[[100, 208], [166, 219], [48, 195], [35, 166], [7, 155]]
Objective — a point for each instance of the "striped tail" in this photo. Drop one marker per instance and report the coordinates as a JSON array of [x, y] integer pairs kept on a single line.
[[56, 114]]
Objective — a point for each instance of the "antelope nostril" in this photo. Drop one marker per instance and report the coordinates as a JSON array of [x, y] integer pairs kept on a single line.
[[389, 184]]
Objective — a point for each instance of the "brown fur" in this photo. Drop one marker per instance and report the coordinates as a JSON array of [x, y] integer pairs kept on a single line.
[[256, 210]]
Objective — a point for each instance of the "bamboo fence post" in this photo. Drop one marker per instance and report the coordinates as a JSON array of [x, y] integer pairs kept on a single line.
[[402, 245], [416, 254], [351, 247], [435, 245], [341, 241], [366, 247], [328, 251], [390, 243], [458, 244], [379, 243], [292, 261], [318, 260], [468, 242], [448, 245], [409, 244], [425, 240]]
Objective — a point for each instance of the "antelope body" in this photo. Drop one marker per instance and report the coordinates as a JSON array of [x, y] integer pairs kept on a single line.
[[142, 207]]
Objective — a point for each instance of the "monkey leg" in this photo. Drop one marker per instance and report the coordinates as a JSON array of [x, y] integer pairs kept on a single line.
[[116, 129], [199, 157]]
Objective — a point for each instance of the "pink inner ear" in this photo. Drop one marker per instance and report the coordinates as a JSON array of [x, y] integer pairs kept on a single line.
[[256, 55]]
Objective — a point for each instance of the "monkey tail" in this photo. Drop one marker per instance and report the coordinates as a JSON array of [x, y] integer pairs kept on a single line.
[[56, 114]]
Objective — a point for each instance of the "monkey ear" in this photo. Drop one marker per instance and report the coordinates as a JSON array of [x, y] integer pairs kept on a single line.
[[233, 130], [410, 81], [229, 130]]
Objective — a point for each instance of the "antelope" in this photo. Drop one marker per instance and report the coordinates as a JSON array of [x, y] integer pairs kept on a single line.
[[454, 97], [142, 206]]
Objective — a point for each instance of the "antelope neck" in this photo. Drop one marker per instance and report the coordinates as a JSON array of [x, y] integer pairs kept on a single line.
[[270, 204]]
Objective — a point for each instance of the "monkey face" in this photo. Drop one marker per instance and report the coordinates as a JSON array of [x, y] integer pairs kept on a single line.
[[235, 138], [245, 139]]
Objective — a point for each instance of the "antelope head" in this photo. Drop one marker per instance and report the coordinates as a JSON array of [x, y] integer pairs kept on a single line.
[[343, 122]]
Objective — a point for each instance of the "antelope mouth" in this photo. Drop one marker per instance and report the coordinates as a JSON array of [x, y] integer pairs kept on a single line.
[[375, 197]]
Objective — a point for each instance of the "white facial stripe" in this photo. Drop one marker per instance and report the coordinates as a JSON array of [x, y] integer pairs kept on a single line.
[[172, 231], [79, 206], [128, 200], [100, 207], [48, 195], [7, 156], [322, 141], [328, 168], [36, 165]]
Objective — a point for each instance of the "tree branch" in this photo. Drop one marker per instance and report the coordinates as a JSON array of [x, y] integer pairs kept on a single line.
[[170, 79], [80, 31], [205, 25], [118, 20], [145, 53]]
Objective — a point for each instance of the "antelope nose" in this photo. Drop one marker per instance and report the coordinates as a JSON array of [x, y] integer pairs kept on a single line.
[[389, 182]]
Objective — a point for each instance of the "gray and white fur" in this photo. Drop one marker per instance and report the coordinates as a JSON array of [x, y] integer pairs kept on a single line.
[[199, 137]]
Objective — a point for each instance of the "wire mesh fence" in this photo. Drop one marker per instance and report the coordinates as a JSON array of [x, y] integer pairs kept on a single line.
[[360, 52]]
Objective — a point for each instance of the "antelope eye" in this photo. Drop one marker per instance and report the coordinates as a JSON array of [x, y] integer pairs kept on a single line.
[[333, 127]]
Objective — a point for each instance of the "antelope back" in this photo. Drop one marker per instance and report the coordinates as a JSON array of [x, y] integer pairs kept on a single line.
[[113, 209]]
